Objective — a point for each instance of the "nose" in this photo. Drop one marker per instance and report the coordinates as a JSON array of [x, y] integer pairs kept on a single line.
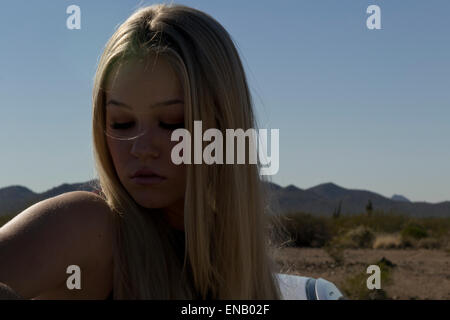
[[146, 145]]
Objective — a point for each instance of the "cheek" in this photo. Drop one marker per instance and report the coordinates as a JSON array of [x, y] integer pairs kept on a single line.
[[118, 154]]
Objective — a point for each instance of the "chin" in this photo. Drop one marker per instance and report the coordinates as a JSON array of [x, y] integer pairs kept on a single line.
[[154, 197], [152, 202]]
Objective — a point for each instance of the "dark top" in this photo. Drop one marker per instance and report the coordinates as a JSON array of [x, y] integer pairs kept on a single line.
[[178, 238]]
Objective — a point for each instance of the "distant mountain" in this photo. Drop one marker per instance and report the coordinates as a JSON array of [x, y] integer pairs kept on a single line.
[[322, 199], [398, 197], [15, 199]]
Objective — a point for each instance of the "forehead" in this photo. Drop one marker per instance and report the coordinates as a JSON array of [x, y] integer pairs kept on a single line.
[[142, 82]]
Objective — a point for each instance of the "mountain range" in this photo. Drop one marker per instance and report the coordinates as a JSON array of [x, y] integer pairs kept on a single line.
[[323, 199]]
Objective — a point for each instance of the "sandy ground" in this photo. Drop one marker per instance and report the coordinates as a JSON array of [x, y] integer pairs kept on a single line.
[[417, 273]]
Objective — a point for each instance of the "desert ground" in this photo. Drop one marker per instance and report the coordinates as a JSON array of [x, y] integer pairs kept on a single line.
[[413, 273]]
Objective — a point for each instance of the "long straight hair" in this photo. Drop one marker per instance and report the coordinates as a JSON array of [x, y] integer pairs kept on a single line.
[[225, 251]]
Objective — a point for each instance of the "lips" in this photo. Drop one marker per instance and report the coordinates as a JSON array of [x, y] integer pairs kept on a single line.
[[146, 177], [145, 173]]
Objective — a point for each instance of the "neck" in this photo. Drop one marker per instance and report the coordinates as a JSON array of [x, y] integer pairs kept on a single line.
[[174, 215]]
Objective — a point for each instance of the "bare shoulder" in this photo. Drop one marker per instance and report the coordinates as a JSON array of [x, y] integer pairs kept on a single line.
[[85, 208], [74, 228], [79, 213], [70, 205]]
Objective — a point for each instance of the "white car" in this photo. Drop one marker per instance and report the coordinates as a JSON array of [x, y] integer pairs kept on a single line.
[[295, 287]]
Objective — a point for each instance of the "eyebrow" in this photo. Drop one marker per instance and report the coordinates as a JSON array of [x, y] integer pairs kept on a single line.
[[116, 103]]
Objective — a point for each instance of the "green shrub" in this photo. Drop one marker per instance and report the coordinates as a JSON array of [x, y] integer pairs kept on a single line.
[[413, 231], [437, 227], [355, 285], [362, 236], [359, 237], [379, 222], [307, 230], [358, 231], [355, 288]]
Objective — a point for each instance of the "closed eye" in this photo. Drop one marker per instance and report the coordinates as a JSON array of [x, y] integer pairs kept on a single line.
[[171, 126], [121, 126], [128, 125]]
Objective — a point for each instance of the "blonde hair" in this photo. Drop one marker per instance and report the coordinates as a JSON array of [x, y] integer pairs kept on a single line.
[[226, 243]]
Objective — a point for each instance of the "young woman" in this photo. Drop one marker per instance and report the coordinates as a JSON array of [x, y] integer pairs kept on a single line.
[[190, 231], [158, 230]]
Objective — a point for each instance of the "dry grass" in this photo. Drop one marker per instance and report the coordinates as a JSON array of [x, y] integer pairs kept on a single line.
[[387, 241]]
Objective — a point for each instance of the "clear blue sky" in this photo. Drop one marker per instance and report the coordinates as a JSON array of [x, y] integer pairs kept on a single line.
[[365, 109]]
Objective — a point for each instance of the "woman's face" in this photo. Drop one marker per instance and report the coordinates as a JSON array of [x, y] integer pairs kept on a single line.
[[151, 95]]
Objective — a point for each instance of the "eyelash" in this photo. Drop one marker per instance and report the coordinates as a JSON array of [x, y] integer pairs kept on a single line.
[[171, 126], [127, 125]]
